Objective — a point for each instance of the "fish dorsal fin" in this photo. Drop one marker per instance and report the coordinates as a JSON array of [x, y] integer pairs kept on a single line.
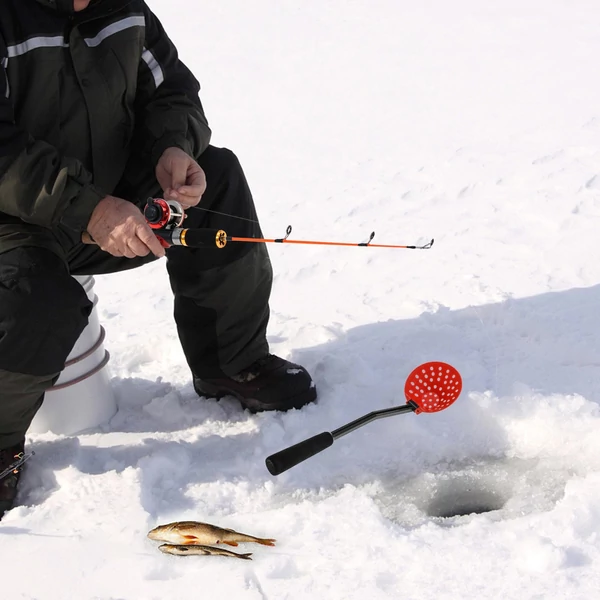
[[179, 525]]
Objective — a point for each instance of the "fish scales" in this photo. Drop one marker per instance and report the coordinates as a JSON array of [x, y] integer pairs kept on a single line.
[[200, 550], [198, 533]]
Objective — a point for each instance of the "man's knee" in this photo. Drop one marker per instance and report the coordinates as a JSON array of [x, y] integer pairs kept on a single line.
[[220, 160], [43, 311]]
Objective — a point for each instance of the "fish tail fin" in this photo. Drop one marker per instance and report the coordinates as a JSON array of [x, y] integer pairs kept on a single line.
[[246, 556], [266, 542]]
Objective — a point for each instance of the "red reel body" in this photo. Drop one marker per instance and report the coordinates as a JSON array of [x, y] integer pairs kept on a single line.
[[163, 214]]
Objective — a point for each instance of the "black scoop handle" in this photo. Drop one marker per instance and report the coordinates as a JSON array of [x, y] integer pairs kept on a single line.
[[286, 459]]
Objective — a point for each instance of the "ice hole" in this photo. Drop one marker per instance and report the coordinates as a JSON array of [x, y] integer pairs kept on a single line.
[[451, 493], [464, 496]]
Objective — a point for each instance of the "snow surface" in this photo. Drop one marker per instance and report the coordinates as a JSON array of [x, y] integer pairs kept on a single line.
[[474, 123]]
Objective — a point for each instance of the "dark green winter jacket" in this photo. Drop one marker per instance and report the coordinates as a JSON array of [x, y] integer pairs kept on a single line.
[[80, 95]]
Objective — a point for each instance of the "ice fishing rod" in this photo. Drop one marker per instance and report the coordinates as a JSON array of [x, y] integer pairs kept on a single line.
[[20, 459], [431, 387], [166, 218]]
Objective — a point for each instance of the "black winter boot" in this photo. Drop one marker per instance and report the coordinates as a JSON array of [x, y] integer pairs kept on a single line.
[[270, 383], [8, 484]]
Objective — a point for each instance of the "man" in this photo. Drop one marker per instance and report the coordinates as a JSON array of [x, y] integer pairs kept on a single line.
[[97, 114]]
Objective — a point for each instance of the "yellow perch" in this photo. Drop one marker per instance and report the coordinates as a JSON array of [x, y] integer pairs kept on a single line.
[[192, 532], [189, 550]]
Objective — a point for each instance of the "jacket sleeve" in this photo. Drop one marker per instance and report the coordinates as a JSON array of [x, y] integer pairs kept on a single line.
[[37, 184], [168, 108]]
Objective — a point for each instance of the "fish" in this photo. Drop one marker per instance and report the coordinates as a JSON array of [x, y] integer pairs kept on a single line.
[[196, 549], [194, 532]]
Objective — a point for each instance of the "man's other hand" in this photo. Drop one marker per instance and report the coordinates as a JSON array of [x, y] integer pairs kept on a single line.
[[180, 177]]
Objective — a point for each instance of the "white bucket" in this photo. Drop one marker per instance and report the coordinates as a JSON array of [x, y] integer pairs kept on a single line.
[[82, 397]]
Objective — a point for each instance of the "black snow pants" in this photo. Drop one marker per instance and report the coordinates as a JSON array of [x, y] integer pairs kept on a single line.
[[220, 295]]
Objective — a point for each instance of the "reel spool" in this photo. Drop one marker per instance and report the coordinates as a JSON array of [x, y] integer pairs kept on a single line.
[[163, 214]]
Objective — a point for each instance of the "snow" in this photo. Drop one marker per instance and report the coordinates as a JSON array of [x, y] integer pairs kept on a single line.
[[476, 124]]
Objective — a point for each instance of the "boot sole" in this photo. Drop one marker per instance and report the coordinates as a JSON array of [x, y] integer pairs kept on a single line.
[[212, 391]]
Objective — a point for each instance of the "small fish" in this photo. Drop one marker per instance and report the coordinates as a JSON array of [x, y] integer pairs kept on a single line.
[[189, 550], [193, 532]]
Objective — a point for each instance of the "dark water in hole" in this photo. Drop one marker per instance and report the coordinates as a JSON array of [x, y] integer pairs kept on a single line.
[[457, 499]]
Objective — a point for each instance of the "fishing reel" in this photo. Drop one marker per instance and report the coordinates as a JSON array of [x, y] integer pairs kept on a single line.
[[163, 214], [164, 217]]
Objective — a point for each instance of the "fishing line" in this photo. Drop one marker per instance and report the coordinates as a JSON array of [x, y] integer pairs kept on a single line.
[[216, 212]]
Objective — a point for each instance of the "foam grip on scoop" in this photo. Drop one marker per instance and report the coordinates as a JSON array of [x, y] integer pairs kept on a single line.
[[286, 459]]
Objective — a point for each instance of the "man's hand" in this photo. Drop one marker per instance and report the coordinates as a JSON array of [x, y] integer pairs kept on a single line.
[[180, 177], [119, 228]]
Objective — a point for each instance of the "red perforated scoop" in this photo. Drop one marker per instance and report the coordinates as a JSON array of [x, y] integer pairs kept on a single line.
[[433, 386]]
